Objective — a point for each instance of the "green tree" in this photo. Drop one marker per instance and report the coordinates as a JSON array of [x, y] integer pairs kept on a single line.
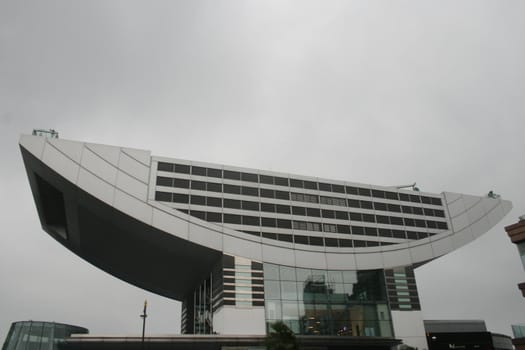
[[281, 338]]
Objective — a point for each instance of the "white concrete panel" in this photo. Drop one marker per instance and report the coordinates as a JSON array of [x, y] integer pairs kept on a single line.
[[132, 186], [99, 167], [138, 154], [72, 149], [312, 260], [367, 261], [451, 197], [495, 214], [134, 168], [396, 258], [442, 246], [462, 237], [242, 248], [456, 208], [421, 253], [109, 153], [233, 320], [60, 163], [475, 212], [133, 207], [480, 227], [276, 255], [33, 144], [460, 222], [340, 261], [471, 201], [168, 223], [409, 327], [205, 237], [95, 186]]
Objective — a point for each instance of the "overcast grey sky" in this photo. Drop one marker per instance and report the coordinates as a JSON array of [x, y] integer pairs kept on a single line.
[[382, 92]]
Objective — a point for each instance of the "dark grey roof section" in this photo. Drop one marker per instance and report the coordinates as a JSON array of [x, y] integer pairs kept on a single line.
[[454, 326]]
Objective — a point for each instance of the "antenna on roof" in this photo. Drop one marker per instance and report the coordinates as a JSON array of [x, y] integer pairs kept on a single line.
[[413, 187], [52, 133]]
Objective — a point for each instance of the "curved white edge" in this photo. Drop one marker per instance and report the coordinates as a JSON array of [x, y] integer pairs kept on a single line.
[[121, 177]]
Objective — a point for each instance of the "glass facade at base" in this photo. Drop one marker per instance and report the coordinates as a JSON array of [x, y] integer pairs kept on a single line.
[[33, 335], [327, 302]]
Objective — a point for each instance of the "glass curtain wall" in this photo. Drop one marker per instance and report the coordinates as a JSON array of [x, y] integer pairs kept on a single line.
[[327, 302]]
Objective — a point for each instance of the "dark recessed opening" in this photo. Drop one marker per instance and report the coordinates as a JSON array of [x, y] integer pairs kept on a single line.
[[52, 206]]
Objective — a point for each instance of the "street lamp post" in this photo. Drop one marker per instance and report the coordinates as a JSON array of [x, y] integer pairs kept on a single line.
[[143, 316]]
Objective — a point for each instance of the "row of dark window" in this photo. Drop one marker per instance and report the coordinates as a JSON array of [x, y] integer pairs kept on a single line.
[[296, 210], [299, 197], [297, 183], [305, 226]]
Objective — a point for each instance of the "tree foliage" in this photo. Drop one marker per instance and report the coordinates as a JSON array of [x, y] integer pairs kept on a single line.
[[281, 338]]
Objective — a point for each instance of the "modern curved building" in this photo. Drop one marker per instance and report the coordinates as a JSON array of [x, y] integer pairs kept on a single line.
[[243, 247], [36, 335]]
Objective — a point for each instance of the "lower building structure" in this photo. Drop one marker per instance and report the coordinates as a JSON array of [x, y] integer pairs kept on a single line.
[[38, 335], [243, 248]]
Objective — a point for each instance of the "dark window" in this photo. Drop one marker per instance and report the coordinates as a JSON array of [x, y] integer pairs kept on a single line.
[[331, 242], [198, 170], [436, 201], [338, 188], [163, 196], [181, 183], [414, 198], [164, 181], [165, 166], [232, 219], [313, 212], [417, 210], [198, 185], [282, 195], [382, 219], [343, 229], [232, 175], [380, 206], [364, 191], [198, 214], [384, 232], [426, 200], [328, 214], [395, 220], [356, 217], [281, 181], [213, 217], [345, 243], [283, 209], [399, 234], [341, 215], [214, 202], [214, 172], [411, 235], [251, 220], [378, 194], [431, 224], [296, 183], [353, 203], [409, 222], [214, 187], [285, 238], [422, 235], [248, 205], [391, 195], [268, 222], [407, 209], [358, 230], [394, 207], [249, 177], [232, 189], [250, 191], [232, 203], [439, 213], [282, 223], [265, 179], [269, 235], [404, 197], [316, 241], [366, 205], [181, 198], [198, 200], [428, 212], [182, 168], [325, 187], [368, 218], [351, 190], [268, 207], [298, 211], [442, 225], [267, 193], [310, 185], [370, 231], [372, 244], [359, 244], [300, 239]]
